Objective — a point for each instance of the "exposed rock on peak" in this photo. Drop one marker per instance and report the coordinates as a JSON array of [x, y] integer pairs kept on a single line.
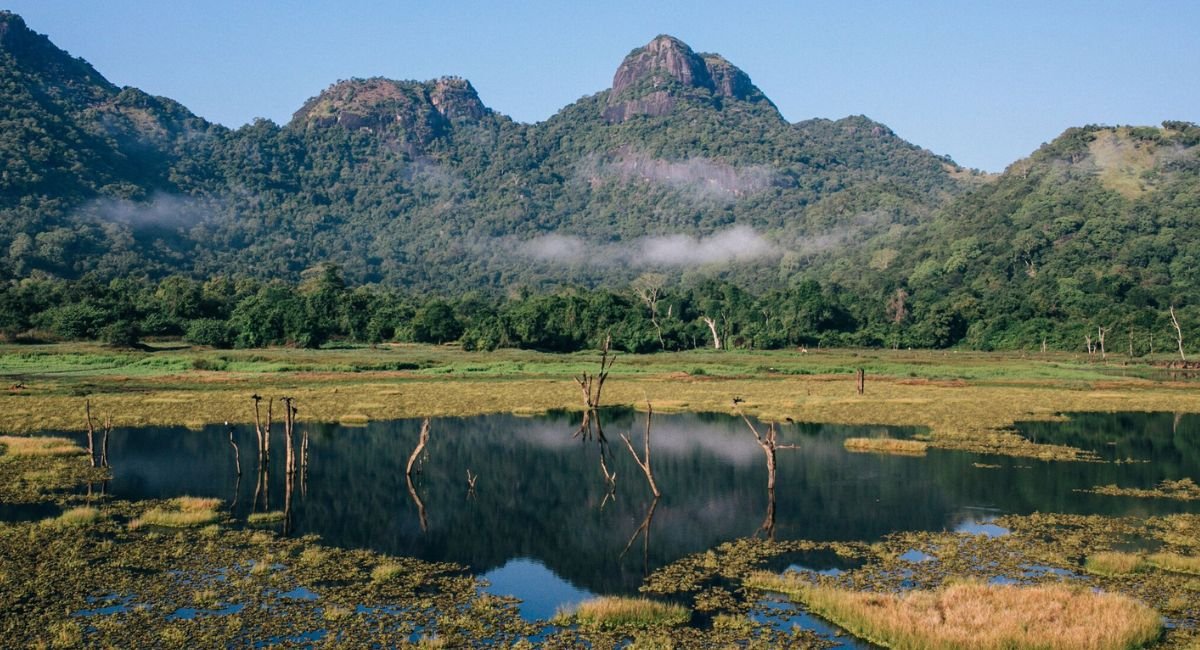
[[416, 112], [652, 79]]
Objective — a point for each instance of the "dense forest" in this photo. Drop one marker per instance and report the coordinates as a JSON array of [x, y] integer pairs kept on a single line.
[[124, 215]]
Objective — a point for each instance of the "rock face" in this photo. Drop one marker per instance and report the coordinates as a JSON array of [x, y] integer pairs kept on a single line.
[[414, 111], [654, 78]]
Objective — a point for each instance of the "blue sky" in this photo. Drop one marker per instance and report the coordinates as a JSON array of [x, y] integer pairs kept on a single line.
[[985, 82]]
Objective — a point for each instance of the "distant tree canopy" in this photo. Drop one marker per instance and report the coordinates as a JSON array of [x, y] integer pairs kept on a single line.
[[248, 313]]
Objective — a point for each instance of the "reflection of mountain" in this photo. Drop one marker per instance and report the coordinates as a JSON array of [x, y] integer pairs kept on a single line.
[[539, 492]]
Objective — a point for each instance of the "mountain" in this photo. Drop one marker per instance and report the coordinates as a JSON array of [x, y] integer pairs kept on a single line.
[[420, 184]]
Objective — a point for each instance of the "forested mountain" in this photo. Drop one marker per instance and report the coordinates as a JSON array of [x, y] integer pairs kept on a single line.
[[419, 184], [834, 230]]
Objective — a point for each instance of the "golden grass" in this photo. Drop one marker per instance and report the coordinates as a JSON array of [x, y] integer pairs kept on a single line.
[[354, 419], [609, 612], [886, 446], [40, 446], [1113, 563], [181, 512], [81, 516], [1175, 563], [980, 616]]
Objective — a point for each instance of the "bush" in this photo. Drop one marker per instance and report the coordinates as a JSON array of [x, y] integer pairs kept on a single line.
[[210, 332]]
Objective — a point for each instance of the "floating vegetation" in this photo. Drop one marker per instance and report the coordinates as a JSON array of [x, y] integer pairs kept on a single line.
[[180, 512], [979, 616], [610, 612], [1183, 490], [887, 446]]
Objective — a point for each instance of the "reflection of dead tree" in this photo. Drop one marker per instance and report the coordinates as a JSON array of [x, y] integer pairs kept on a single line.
[[644, 463], [237, 456], [91, 428], [591, 387], [262, 486], [1175, 424], [412, 492], [416, 453], [304, 464], [104, 440], [610, 478], [644, 531], [768, 525], [263, 433]]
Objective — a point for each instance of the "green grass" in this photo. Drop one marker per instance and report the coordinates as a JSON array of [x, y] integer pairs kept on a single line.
[[386, 572], [886, 446], [263, 518], [81, 516], [1113, 563], [1175, 563], [181, 512], [611, 612], [40, 446]]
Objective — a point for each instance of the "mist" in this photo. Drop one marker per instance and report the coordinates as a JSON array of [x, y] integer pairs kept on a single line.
[[737, 244], [698, 177], [161, 210]]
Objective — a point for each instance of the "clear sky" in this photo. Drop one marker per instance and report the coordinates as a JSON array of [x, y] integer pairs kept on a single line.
[[985, 82]]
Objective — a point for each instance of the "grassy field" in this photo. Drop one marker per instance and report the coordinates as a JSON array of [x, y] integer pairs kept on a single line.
[[966, 400]]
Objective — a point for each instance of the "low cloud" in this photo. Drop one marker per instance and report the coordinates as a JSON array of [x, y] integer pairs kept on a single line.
[[161, 210], [699, 177], [737, 244]]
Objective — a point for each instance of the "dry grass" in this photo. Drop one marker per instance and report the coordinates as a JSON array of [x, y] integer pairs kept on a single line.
[[1175, 563], [181, 512], [980, 616], [609, 612], [29, 446], [1113, 563], [886, 446], [81, 516]]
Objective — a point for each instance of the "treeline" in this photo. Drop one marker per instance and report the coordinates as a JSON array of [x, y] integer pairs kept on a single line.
[[649, 315]]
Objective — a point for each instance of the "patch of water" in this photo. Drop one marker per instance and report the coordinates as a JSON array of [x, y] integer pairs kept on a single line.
[[541, 591], [784, 615]]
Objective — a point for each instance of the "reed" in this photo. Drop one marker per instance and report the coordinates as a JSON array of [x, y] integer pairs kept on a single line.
[[1175, 563], [1113, 563], [609, 612], [181, 512]]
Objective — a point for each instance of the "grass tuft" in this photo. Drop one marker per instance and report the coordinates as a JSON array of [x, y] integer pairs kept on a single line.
[[39, 446], [610, 612], [1113, 563], [886, 446], [1175, 563], [386, 572], [181, 512], [263, 518], [74, 517], [979, 616]]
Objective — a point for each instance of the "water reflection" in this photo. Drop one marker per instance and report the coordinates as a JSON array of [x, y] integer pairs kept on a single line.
[[542, 500]]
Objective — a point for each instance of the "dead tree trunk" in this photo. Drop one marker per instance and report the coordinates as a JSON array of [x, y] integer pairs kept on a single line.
[[412, 492], [289, 429], [769, 443], [263, 433], [1100, 332], [712, 327], [591, 386], [237, 456], [860, 381], [91, 429], [644, 463], [1178, 334], [424, 438], [1087, 339], [1130, 342]]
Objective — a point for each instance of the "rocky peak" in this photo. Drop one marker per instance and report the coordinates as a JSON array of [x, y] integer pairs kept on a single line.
[[653, 78], [455, 98]]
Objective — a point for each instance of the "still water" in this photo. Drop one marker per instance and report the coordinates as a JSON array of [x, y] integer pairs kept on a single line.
[[540, 523]]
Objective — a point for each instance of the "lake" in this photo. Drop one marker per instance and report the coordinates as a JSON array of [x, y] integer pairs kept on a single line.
[[541, 524]]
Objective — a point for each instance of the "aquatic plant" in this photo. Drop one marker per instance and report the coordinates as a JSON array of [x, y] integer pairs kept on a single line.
[[81, 516], [1113, 563], [887, 446]]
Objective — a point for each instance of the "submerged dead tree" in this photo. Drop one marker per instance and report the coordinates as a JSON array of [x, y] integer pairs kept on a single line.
[[263, 433], [289, 432], [91, 435], [769, 442], [644, 461], [237, 456], [592, 386], [408, 479]]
